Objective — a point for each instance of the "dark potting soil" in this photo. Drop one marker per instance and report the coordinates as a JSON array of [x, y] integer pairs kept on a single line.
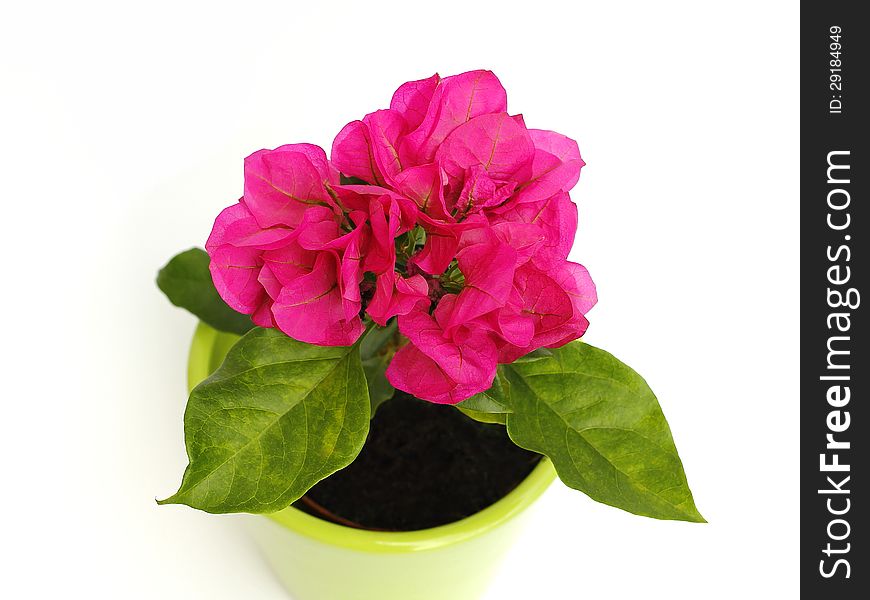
[[423, 465]]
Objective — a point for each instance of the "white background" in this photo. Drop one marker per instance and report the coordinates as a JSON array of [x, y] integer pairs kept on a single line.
[[123, 127]]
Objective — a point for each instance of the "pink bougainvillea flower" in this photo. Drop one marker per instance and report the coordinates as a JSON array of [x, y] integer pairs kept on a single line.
[[480, 190], [397, 295], [386, 223], [389, 215], [442, 242], [555, 216], [236, 246], [386, 128], [493, 199], [326, 291], [353, 154], [441, 365], [237, 226], [556, 166], [496, 143], [235, 271], [526, 239], [454, 101], [443, 211], [487, 265], [423, 185], [281, 255], [556, 306], [422, 115], [521, 306], [311, 308], [359, 198], [281, 184], [412, 100]]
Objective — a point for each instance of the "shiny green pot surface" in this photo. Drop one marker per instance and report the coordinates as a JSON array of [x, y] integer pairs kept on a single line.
[[318, 560]]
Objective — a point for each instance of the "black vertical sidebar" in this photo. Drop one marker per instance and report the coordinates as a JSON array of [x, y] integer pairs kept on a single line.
[[835, 341]]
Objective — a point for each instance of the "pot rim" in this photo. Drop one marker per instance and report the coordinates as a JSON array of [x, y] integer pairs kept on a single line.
[[209, 347]]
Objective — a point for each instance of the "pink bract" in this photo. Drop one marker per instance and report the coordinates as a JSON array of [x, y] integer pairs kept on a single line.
[[316, 244]]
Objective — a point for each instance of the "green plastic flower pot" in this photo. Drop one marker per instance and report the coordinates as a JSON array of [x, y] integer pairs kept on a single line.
[[319, 560]]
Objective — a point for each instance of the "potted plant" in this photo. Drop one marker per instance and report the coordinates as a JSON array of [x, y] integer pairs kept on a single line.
[[388, 363]]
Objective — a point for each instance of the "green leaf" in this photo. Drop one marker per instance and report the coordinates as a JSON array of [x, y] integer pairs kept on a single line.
[[490, 406], [277, 417], [345, 180], [380, 389], [376, 350], [187, 283], [535, 355], [483, 417], [602, 427], [378, 340]]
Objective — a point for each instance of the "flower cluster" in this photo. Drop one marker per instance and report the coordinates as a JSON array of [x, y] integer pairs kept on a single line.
[[443, 211]]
